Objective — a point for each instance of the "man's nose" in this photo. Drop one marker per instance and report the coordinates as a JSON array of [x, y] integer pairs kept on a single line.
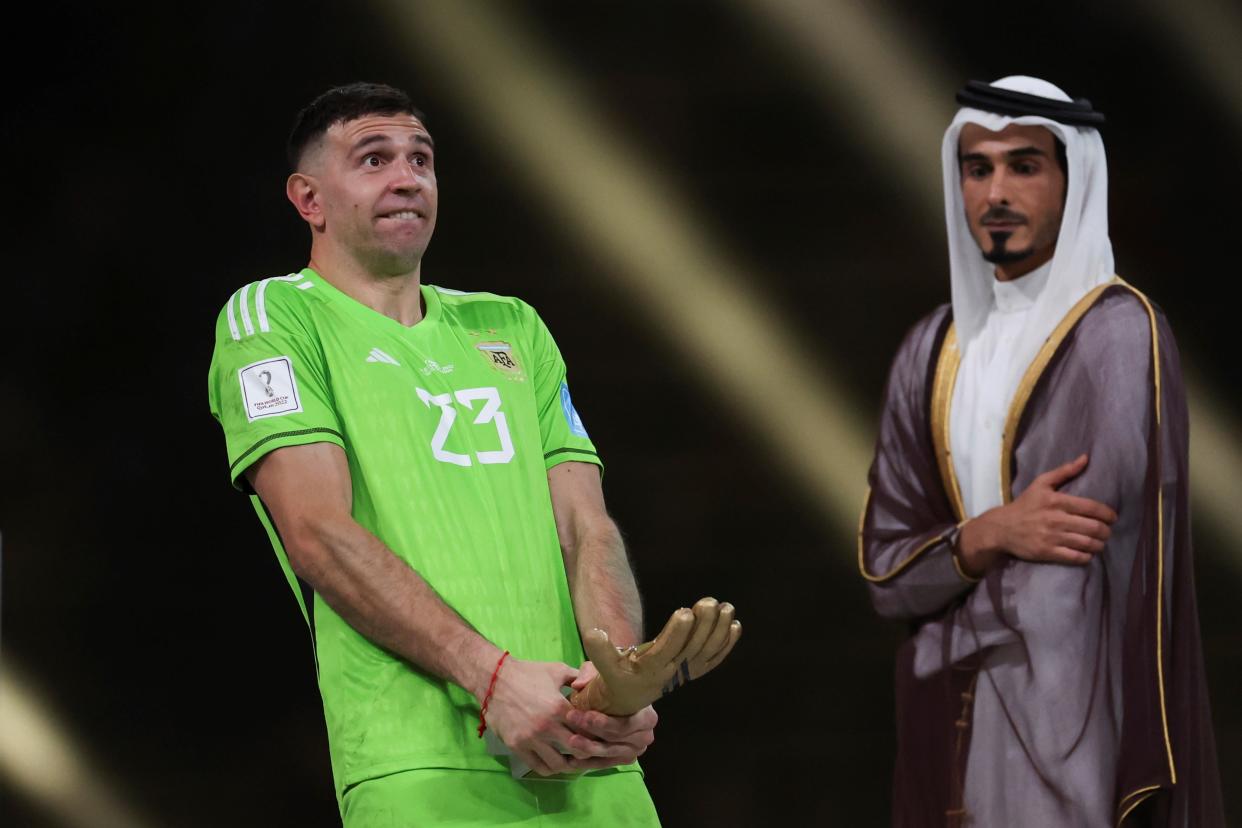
[[998, 188], [405, 176]]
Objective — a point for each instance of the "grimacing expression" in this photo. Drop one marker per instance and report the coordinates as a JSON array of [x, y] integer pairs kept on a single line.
[[377, 189], [1013, 190]]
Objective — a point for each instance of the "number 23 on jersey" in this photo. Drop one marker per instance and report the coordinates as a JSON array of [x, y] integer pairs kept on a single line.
[[488, 412]]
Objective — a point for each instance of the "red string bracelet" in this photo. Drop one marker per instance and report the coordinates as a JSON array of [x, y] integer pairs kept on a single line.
[[488, 696]]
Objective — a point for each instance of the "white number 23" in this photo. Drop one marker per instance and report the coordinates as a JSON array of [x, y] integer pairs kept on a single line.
[[489, 413]]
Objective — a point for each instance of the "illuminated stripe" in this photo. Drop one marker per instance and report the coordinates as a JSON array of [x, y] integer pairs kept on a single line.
[[1208, 32], [42, 759], [891, 96]]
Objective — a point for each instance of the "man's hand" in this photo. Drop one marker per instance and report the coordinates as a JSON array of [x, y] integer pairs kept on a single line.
[[692, 644], [1041, 525], [624, 738], [529, 713]]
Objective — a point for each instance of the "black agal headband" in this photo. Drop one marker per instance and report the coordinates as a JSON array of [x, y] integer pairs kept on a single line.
[[980, 95]]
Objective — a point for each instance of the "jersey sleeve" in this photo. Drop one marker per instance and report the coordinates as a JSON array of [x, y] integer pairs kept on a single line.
[[268, 381], [561, 429]]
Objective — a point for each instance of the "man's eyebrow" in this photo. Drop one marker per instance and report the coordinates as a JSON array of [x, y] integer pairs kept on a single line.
[[1026, 151], [369, 141], [380, 138], [1020, 152]]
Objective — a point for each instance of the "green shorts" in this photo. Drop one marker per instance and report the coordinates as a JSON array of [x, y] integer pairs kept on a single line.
[[438, 796]]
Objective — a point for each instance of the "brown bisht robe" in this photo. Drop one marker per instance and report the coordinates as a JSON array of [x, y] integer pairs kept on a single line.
[[1047, 694]]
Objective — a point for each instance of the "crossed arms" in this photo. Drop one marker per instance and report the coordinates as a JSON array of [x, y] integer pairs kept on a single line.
[[1068, 524]]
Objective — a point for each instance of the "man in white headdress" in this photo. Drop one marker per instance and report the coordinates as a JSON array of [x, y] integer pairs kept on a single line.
[[1028, 510]]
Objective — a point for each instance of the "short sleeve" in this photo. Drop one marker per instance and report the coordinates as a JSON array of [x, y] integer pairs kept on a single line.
[[561, 428], [268, 381]]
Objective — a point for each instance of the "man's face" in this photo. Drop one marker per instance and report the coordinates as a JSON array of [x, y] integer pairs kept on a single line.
[[376, 184], [1014, 192]]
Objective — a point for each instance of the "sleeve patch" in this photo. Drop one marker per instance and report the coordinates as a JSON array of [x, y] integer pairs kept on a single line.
[[269, 388], [576, 427]]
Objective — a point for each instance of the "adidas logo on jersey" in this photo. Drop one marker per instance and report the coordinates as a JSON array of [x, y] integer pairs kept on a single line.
[[377, 355]]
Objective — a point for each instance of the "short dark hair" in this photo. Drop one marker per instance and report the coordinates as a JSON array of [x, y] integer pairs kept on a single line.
[[339, 105]]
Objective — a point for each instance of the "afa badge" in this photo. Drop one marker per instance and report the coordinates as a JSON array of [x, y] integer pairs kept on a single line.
[[501, 356]]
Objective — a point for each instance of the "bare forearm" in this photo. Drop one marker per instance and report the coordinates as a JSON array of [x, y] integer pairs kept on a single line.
[[385, 600], [602, 586]]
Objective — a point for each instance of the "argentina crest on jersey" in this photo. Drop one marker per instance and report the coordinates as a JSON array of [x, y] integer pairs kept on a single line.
[[501, 357], [576, 427]]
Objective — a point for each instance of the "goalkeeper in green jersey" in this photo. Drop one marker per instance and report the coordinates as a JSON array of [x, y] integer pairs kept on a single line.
[[433, 499]]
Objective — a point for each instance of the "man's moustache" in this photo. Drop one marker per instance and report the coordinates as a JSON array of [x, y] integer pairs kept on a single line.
[[1001, 214]]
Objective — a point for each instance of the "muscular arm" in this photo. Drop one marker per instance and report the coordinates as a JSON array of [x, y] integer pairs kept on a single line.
[[307, 489], [602, 587], [601, 582]]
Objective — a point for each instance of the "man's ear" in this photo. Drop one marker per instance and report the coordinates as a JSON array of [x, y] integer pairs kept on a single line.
[[303, 192]]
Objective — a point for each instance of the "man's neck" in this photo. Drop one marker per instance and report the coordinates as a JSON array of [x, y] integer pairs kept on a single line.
[[397, 296]]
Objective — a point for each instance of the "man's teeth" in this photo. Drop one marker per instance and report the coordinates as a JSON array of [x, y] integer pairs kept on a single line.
[[404, 214]]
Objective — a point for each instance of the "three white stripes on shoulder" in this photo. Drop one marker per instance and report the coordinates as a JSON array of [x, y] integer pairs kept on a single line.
[[260, 306]]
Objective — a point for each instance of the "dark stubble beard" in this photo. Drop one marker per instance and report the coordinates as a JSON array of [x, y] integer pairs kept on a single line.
[[1001, 254]]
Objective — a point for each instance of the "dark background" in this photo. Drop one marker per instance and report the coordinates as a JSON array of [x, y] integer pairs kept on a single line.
[[141, 602]]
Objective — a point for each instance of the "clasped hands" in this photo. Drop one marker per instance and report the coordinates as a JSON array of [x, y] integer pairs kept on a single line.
[[531, 715], [608, 719]]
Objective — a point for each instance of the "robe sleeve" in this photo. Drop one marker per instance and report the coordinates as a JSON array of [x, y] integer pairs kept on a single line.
[[908, 526]]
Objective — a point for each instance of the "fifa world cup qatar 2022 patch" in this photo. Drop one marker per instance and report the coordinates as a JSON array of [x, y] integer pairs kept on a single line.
[[501, 356], [268, 388]]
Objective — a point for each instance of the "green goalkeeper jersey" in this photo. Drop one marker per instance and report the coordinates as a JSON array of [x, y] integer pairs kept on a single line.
[[449, 426]]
